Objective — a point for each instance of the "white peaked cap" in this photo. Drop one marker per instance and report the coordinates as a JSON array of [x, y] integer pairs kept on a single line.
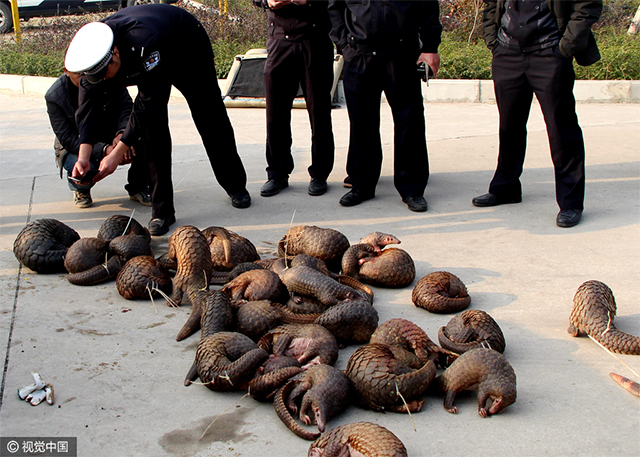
[[90, 48]]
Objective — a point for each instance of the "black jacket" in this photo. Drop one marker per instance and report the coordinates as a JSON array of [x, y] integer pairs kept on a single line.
[[385, 25], [62, 102], [149, 39], [298, 22], [575, 18]]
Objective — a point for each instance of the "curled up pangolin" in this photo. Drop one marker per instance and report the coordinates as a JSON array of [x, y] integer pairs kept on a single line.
[[594, 308], [391, 267], [42, 245], [94, 260], [361, 439], [142, 277], [323, 243], [441, 292], [484, 369], [383, 382], [406, 336], [471, 329]]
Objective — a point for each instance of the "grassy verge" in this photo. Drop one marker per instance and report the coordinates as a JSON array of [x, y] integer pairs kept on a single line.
[[42, 50]]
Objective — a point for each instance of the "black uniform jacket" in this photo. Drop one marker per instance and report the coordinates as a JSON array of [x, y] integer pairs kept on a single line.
[[385, 25], [297, 22], [149, 44], [575, 18], [62, 102]]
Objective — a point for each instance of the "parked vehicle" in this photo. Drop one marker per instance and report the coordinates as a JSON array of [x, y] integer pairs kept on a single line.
[[28, 9]]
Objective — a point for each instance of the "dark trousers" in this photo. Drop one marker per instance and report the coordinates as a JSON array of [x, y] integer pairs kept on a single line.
[[292, 64], [551, 77], [365, 78], [195, 78]]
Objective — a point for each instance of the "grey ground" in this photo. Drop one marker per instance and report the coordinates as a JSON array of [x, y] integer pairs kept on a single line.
[[118, 371]]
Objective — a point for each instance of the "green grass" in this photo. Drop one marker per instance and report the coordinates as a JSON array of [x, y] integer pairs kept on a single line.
[[42, 53]]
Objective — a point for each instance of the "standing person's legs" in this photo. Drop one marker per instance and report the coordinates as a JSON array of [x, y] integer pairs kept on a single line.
[[363, 90], [316, 66], [157, 139], [210, 115], [281, 87], [404, 94], [552, 77], [513, 97]]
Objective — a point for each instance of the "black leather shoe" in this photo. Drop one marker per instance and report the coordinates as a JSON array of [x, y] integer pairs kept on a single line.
[[494, 200], [568, 217], [273, 187], [317, 187], [417, 203], [159, 226], [241, 200], [347, 183], [355, 197]]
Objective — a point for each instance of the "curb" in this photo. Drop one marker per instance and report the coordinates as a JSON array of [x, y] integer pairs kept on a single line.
[[438, 91]]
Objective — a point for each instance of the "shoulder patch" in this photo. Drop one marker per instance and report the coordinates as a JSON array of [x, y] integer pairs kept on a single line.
[[152, 61]]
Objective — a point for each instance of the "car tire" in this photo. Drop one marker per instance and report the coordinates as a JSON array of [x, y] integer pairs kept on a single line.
[[6, 19]]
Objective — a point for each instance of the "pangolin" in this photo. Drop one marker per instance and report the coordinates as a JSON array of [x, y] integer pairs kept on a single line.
[[119, 225], [228, 249], [42, 245], [189, 249], [309, 343], [627, 384], [272, 375], [471, 329], [406, 335], [379, 240], [322, 392], [594, 308], [303, 280], [351, 321], [392, 267], [95, 260], [382, 382], [323, 243], [256, 285], [141, 276], [441, 292], [226, 361], [484, 369], [361, 439]]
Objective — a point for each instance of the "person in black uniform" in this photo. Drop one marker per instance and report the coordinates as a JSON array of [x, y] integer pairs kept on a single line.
[[383, 42], [62, 103], [300, 54], [154, 47], [533, 45]]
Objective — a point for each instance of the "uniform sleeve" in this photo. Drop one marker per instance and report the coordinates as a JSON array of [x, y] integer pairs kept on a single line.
[[337, 10], [430, 26], [63, 127], [578, 31], [490, 23]]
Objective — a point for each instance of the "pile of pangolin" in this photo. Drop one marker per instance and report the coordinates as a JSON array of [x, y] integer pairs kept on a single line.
[[276, 325]]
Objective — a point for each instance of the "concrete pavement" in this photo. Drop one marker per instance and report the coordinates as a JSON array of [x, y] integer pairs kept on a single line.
[[118, 371]]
